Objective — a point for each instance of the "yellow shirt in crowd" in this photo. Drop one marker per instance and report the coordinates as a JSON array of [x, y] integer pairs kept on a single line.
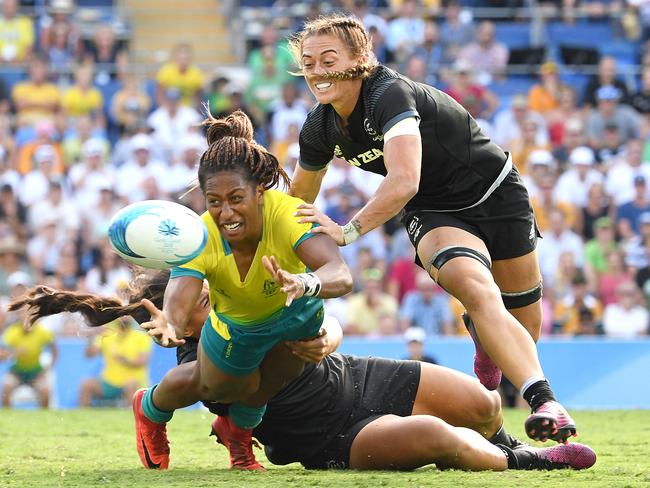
[[188, 82], [16, 38], [27, 345], [45, 93], [76, 102], [131, 345]]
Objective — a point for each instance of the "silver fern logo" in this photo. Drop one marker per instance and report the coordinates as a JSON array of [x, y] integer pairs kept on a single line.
[[168, 228], [371, 131]]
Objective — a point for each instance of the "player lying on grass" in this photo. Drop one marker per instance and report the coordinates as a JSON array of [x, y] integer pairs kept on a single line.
[[345, 411], [256, 264]]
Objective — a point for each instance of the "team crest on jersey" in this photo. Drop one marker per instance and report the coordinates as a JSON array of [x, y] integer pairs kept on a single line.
[[337, 151], [270, 288], [367, 126]]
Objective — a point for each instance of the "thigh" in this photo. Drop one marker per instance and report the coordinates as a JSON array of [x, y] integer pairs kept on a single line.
[[388, 442], [11, 381], [517, 274], [442, 237], [454, 397], [217, 385]]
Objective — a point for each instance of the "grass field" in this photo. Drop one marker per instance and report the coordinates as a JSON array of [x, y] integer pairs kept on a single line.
[[95, 448]]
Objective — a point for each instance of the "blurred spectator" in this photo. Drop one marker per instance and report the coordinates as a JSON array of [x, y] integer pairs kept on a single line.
[[108, 55], [45, 135], [132, 177], [95, 219], [217, 96], [544, 97], [82, 98], [598, 205], [597, 249], [619, 182], [181, 74], [508, 123], [563, 278], [427, 307], [24, 344], [479, 101], [416, 69], [126, 353], [545, 202], [540, 166], [415, 338], [130, 104], [12, 252], [270, 48], [488, 56], [565, 117], [573, 136], [626, 319], [172, 121], [612, 145], [628, 214], [55, 207], [401, 275], [80, 130], [607, 75], [430, 51], [526, 144], [60, 51], [456, 31], [379, 46], [108, 274], [405, 31], [43, 249], [91, 175], [609, 280], [611, 112], [640, 101], [13, 214], [183, 172], [60, 37], [67, 274], [558, 239], [37, 182], [16, 34], [573, 185], [288, 110], [367, 307], [369, 19], [636, 247], [36, 99], [570, 311]]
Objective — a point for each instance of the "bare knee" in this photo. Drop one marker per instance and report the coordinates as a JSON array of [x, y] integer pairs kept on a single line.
[[485, 417], [435, 437], [230, 391], [480, 294]]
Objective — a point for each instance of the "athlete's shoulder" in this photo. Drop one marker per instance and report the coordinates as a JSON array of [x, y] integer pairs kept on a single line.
[[381, 80]]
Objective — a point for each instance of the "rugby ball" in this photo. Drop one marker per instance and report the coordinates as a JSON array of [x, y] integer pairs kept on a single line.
[[157, 234]]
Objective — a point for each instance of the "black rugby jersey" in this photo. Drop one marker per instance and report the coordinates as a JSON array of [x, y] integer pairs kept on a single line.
[[460, 165]]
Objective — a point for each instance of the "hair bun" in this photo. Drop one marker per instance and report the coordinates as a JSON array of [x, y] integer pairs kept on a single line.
[[237, 124]]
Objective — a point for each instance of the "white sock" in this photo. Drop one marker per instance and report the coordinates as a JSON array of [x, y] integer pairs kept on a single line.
[[528, 383]]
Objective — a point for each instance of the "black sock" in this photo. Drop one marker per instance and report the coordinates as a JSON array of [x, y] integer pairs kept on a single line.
[[217, 408], [518, 458], [500, 437], [538, 393]]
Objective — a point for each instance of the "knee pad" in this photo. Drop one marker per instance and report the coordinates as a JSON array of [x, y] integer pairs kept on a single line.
[[522, 298], [448, 253]]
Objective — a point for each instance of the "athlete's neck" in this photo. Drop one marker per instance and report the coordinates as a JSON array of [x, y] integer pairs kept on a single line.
[[344, 106]]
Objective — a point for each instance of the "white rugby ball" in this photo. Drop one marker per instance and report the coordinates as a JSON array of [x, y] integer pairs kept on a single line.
[[157, 234]]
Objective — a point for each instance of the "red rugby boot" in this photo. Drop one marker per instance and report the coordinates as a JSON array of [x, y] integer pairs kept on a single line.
[[239, 443], [150, 437]]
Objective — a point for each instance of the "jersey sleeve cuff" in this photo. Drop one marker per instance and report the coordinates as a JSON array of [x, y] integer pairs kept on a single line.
[[398, 118], [179, 272], [311, 167]]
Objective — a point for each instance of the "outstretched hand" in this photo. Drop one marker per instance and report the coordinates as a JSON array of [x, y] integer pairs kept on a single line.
[[160, 330], [309, 213], [289, 283]]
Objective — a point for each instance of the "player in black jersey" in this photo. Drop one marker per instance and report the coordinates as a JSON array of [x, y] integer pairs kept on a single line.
[[462, 201]]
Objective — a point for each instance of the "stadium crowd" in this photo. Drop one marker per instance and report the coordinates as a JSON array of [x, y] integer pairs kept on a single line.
[[81, 135]]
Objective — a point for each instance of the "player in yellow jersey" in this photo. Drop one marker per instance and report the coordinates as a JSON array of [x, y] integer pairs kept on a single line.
[[126, 353], [24, 346], [267, 274]]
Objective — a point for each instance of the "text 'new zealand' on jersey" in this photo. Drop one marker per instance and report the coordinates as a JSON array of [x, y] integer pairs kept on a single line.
[[459, 163]]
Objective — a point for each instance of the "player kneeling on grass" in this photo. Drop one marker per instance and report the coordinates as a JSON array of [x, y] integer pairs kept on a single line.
[[354, 412]]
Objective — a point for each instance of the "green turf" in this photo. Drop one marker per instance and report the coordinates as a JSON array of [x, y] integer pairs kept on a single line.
[[95, 448]]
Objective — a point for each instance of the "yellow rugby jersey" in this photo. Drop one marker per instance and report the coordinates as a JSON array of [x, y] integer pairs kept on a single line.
[[258, 298], [27, 345], [130, 345]]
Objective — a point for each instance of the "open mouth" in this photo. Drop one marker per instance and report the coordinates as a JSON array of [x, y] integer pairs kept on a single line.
[[323, 86], [232, 227]]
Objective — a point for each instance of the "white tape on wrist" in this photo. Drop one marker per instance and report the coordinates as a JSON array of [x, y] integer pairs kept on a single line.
[[350, 233], [310, 283]]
